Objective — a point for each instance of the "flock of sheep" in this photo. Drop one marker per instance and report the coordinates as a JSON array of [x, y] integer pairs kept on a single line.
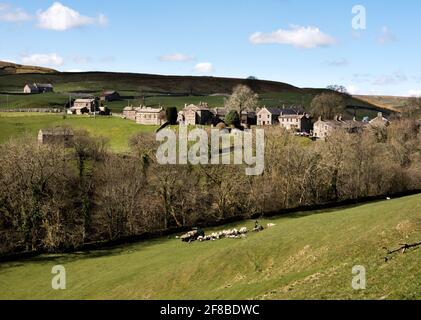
[[199, 235], [232, 234]]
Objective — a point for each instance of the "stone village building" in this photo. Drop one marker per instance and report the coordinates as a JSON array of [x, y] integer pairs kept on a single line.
[[298, 122], [290, 118], [83, 106], [323, 128], [150, 116], [110, 95], [38, 88], [196, 115], [145, 115]]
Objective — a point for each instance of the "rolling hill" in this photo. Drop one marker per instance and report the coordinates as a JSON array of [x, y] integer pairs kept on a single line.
[[307, 255], [13, 68], [158, 89], [388, 102]]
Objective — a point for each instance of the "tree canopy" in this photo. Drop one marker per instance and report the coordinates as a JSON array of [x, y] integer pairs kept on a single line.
[[328, 105]]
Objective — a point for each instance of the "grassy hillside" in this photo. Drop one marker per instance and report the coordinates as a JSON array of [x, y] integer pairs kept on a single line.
[[387, 102], [97, 81], [158, 90], [307, 255], [116, 129], [12, 68]]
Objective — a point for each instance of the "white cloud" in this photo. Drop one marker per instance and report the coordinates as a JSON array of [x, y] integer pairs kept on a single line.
[[386, 36], [353, 89], [414, 93], [60, 18], [50, 60], [204, 67], [9, 14], [177, 57], [298, 36]]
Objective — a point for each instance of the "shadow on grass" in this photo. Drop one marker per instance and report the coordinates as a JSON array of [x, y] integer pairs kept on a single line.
[[302, 214], [63, 258]]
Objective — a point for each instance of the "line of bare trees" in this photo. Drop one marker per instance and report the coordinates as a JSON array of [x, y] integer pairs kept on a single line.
[[56, 199]]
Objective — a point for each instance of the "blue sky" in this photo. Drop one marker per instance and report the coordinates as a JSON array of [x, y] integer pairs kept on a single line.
[[305, 43]]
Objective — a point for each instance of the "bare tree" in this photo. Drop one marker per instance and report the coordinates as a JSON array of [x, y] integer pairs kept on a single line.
[[338, 88], [327, 105], [242, 99]]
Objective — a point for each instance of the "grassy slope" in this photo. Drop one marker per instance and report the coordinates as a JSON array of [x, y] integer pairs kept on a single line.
[[116, 129], [388, 102], [97, 81], [134, 86], [304, 256]]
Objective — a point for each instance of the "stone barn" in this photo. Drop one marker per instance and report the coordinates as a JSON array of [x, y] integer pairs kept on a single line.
[[110, 95], [56, 136], [38, 88]]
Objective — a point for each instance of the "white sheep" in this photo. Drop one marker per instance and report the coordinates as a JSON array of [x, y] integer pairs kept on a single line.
[[243, 230]]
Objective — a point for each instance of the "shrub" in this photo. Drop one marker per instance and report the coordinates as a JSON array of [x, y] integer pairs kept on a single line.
[[232, 118]]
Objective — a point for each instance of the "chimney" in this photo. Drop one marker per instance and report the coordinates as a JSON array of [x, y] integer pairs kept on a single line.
[[320, 118], [379, 115], [335, 118]]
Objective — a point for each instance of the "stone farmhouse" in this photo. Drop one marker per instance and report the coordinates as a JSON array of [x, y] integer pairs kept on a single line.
[[150, 116], [296, 122], [145, 115], [56, 136], [323, 128], [195, 115], [268, 116], [83, 106], [130, 113], [38, 88]]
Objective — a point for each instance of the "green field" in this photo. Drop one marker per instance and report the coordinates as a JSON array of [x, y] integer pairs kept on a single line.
[[116, 129], [305, 256]]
